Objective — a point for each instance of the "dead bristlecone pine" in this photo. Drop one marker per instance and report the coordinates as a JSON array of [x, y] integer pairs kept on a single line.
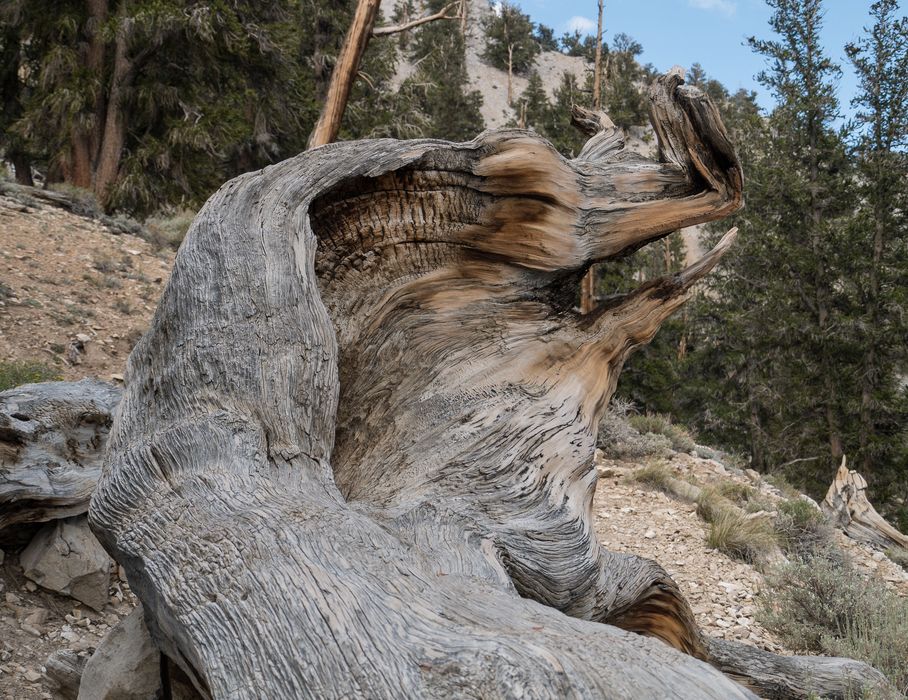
[[354, 456]]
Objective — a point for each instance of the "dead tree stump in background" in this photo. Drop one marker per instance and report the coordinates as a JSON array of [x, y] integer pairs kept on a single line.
[[355, 452]]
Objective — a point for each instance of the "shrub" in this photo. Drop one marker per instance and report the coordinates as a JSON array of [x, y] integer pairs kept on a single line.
[[12, 374], [821, 604], [802, 527], [656, 475], [658, 424], [782, 484], [741, 537], [82, 201], [168, 231], [737, 492], [619, 440], [898, 555]]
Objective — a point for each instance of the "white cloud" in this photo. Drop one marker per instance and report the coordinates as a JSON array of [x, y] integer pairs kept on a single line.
[[726, 7], [584, 25]]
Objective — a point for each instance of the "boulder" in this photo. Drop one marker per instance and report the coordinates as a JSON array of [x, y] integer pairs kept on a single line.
[[126, 665], [65, 557]]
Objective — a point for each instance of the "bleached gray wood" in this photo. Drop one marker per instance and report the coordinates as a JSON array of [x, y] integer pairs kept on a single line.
[[355, 455], [52, 438], [846, 503]]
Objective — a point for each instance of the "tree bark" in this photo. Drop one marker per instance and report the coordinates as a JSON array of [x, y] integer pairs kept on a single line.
[[355, 455], [351, 53], [22, 164], [85, 144], [114, 136]]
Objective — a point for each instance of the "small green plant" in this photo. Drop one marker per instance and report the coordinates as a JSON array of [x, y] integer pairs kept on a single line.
[[822, 604], [104, 264], [656, 475], [83, 199], [618, 440], [898, 555], [802, 527], [14, 373], [711, 504], [659, 424], [741, 537], [782, 484], [737, 492], [123, 307], [168, 230]]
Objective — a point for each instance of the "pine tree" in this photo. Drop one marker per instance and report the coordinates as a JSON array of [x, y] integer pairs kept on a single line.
[[534, 104], [880, 130], [510, 44], [439, 88], [557, 127], [776, 330], [623, 99]]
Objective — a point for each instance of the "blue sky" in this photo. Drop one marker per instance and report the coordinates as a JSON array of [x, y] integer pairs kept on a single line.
[[711, 32]]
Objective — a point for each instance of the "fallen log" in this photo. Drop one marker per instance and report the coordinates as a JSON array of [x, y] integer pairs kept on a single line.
[[52, 439], [355, 455], [847, 505]]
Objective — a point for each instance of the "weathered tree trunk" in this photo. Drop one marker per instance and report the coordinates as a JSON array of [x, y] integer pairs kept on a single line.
[[847, 504], [355, 454], [52, 439]]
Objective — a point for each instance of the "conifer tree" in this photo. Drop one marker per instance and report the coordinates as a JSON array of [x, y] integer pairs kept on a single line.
[[510, 44], [880, 227], [534, 103], [439, 88]]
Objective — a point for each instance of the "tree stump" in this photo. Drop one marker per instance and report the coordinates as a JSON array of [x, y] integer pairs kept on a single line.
[[846, 503], [355, 453]]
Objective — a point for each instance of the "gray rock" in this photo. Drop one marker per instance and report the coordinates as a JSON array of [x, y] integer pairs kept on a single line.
[[126, 665], [65, 557]]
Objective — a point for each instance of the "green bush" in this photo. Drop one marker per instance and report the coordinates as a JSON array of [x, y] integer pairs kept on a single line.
[[83, 201], [802, 527], [821, 604], [168, 231], [898, 555], [618, 440], [737, 492], [658, 424], [656, 475], [12, 374]]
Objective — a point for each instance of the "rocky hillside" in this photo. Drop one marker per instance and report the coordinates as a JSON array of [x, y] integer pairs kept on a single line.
[[75, 294]]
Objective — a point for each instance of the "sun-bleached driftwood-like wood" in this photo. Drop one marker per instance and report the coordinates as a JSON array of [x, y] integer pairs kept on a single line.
[[846, 503], [52, 438], [355, 453]]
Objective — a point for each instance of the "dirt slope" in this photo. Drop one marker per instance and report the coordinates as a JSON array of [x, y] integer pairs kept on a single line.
[[73, 295]]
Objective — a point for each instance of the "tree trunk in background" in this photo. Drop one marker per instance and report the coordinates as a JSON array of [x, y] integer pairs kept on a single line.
[[510, 73], [85, 144], [597, 66], [114, 137], [354, 46], [22, 164], [355, 452]]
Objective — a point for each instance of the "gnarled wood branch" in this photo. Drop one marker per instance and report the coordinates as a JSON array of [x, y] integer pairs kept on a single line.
[[355, 455], [52, 439]]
